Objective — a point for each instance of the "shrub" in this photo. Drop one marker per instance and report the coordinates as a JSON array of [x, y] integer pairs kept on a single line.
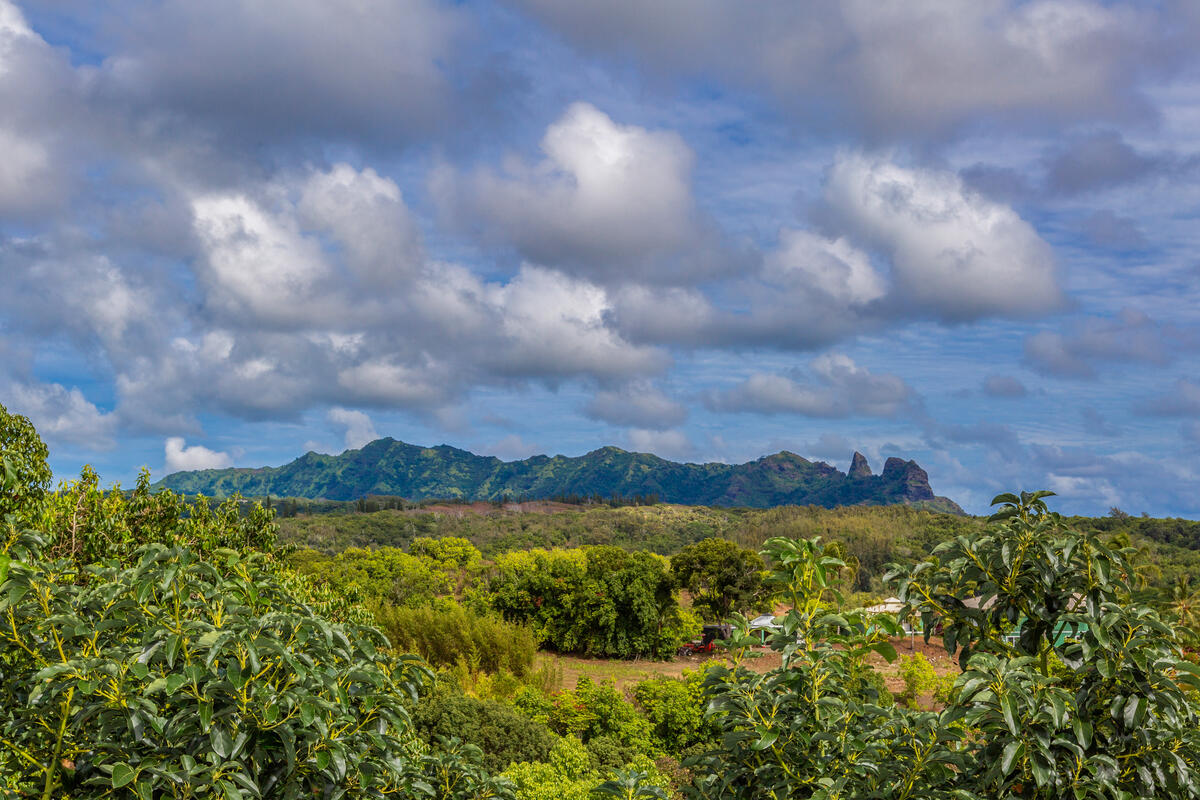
[[24, 473], [503, 734], [919, 678], [675, 709], [447, 634], [177, 677]]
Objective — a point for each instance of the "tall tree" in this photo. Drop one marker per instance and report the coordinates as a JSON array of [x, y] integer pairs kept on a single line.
[[722, 577]]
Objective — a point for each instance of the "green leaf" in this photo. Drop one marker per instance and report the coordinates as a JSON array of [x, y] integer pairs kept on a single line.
[[231, 791], [1010, 715], [766, 738], [122, 775], [221, 741], [1013, 751], [885, 649]]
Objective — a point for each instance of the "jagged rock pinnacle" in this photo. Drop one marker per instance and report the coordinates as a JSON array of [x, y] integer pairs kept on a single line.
[[859, 468]]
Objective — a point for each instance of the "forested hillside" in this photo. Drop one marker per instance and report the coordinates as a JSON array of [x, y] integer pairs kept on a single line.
[[389, 467]]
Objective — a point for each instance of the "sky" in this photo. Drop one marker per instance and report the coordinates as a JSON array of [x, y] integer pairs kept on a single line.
[[962, 233]]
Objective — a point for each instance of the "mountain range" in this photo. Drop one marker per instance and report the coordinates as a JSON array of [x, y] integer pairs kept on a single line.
[[389, 467]]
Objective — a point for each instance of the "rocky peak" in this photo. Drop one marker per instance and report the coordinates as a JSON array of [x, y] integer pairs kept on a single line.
[[859, 468], [913, 481]]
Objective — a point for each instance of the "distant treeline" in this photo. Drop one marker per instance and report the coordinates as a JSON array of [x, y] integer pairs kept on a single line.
[[873, 535], [286, 507]]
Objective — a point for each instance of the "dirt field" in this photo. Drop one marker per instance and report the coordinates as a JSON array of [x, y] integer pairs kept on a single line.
[[626, 673]]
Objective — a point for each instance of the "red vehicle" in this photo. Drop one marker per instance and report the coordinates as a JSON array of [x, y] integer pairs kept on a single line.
[[707, 641]]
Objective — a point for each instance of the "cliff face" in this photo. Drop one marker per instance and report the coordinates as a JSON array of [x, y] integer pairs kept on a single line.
[[389, 467]]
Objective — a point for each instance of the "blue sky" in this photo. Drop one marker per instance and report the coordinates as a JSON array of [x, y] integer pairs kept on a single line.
[[961, 233]]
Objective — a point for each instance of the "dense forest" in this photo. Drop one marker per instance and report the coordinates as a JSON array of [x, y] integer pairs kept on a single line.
[[155, 646]]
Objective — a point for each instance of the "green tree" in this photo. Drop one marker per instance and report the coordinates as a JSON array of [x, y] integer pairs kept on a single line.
[[722, 577], [23, 468], [176, 677], [599, 601]]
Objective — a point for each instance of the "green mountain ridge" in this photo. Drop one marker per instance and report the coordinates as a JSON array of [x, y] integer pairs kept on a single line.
[[390, 467]]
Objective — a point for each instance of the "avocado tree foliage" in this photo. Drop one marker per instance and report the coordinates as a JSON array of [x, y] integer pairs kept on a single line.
[[1090, 699], [142, 657], [24, 474], [179, 677], [1117, 716]]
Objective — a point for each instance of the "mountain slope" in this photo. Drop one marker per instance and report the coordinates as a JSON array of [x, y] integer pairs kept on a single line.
[[389, 467]]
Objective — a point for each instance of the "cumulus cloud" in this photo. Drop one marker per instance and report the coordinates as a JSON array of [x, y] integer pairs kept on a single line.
[[180, 457], [869, 67], [636, 405], [333, 241], [831, 267], [63, 415], [841, 389], [359, 430], [607, 201], [1003, 386], [810, 291], [955, 255], [1130, 336]]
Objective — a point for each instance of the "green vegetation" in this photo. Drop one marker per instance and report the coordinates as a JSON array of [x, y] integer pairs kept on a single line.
[[598, 601], [722, 577], [388, 467], [1122, 720], [152, 647], [870, 537]]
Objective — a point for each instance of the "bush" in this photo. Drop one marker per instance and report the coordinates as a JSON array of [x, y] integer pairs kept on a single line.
[[919, 678], [177, 677], [24, 474], [675, 709], [446, 634], [503, 734]]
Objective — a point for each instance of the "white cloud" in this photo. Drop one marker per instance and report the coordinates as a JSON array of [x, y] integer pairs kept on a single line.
[[553, 325], [359, 428], [833, 267], [954, 254], [64, 415], [367, 215], [606, 201], [314, 249], [841, 389], [180, 458]]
